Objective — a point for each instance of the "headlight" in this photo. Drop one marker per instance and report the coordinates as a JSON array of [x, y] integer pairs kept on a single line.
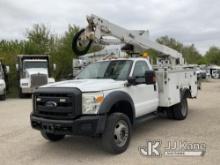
[[91, 102]]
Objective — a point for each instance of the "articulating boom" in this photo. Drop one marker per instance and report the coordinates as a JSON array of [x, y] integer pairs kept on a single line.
[[99, 30]]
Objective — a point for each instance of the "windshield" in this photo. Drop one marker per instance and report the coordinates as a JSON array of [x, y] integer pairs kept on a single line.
[[35, 64], [117, 70]]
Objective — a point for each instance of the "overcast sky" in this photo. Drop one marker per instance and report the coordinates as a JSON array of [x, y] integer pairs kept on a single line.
[[189, 21]]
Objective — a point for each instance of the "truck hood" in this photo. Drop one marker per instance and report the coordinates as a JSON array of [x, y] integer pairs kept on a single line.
[[89, 85], [36, 71]]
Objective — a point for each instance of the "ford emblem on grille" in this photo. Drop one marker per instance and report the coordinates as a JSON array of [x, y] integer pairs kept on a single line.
[[51, 104]]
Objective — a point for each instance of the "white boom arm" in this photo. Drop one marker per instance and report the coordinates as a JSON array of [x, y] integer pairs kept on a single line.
[[99, 28]]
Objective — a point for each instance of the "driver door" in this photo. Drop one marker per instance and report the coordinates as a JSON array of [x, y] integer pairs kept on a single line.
[[145, 96]]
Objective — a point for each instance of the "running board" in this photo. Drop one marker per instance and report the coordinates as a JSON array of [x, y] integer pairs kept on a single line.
[[146, 117]]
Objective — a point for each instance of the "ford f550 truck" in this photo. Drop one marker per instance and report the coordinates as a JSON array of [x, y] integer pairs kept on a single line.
[[108, 97], [33, 71]]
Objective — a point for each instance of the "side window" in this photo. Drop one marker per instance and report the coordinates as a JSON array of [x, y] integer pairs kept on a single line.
[[139, 70]]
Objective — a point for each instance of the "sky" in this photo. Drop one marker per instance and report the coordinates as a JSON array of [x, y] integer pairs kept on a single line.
[[188, 21]]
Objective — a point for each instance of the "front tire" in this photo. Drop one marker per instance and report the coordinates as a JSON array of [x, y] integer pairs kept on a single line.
[[117, 133], [52, 137]]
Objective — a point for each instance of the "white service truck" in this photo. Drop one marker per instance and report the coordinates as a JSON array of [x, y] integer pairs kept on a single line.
[[108, 97], [33, 71], [4, 70]]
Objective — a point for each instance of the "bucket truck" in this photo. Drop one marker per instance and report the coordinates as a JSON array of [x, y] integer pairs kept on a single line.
[[110, 96]]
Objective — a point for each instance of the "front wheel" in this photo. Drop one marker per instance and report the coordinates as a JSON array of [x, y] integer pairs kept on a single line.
[[117, 133], [51, 136]]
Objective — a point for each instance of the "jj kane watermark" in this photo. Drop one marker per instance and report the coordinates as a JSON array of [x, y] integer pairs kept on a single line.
[[180, 148]]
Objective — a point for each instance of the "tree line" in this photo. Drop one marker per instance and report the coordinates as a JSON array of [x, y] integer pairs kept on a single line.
[[40, 40], [191, 54]]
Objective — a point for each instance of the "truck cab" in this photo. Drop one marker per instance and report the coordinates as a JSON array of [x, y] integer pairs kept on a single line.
[[33, 71], [127, 76]]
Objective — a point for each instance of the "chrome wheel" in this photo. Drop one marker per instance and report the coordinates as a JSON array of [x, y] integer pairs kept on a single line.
[[121, 133]]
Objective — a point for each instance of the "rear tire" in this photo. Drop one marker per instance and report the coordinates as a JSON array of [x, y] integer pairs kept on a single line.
[[117, 133], [52, 137], [180, 111]]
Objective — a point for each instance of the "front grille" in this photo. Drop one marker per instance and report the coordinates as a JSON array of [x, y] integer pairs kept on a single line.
[[57, 103], [38, 80]]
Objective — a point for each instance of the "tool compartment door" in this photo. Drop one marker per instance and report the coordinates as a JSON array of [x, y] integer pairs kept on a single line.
[[170, 83]]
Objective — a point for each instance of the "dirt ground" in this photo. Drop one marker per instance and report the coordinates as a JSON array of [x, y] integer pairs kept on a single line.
[[20, 144]]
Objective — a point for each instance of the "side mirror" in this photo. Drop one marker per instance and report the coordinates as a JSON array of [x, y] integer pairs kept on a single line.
[[7, 69], [150, 77], [54, 67], [131, 81], [17, 67]]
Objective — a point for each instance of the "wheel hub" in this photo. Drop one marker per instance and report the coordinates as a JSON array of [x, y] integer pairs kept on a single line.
[[121, 133]]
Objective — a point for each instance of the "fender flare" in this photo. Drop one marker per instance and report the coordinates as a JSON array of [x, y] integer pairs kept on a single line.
[[114, 97]]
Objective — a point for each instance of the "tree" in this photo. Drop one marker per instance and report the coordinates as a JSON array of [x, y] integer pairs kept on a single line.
[[213, 55], [39, 40], [190, 53], [170, 42], [64, 55]]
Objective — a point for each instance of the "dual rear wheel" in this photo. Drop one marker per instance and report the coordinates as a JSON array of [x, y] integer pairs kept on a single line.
[[178, 111]]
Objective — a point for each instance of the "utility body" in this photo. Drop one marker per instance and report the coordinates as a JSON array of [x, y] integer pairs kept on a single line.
[[108, 97]]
